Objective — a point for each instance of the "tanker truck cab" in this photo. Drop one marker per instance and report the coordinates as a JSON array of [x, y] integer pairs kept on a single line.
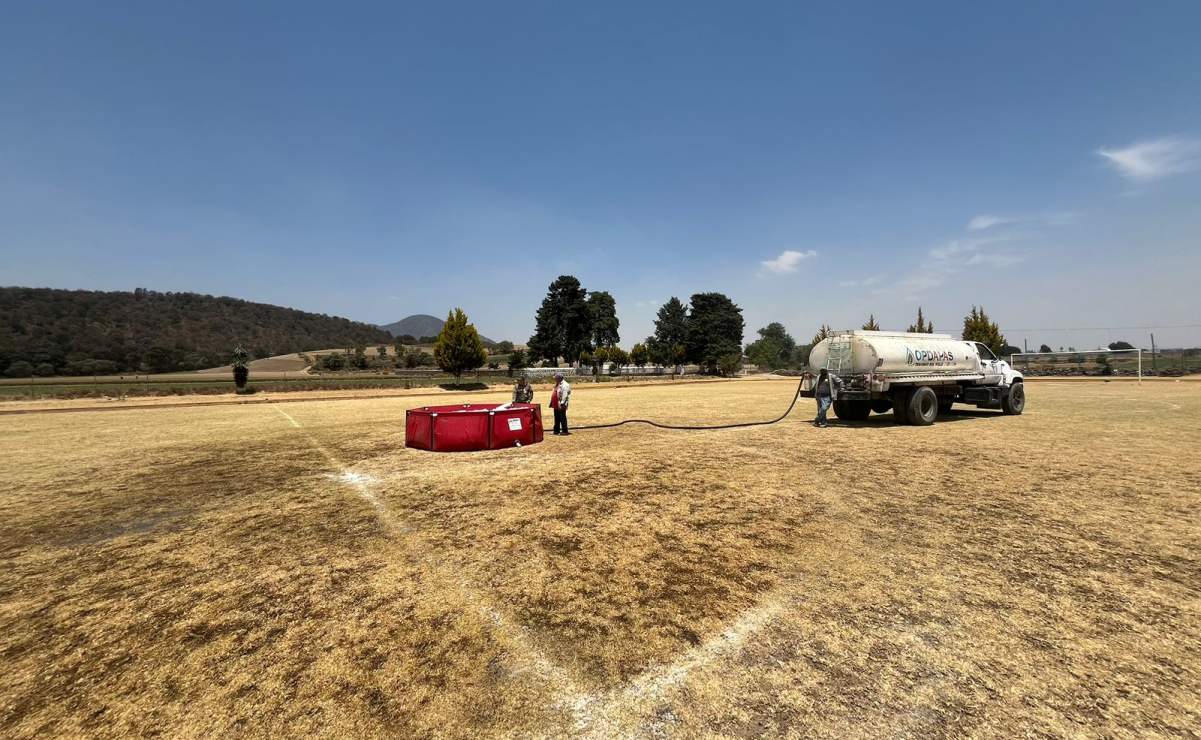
[[917, 376], [990, 367]]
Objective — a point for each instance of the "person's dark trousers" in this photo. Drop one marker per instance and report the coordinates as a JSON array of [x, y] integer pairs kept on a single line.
[[560, 421]]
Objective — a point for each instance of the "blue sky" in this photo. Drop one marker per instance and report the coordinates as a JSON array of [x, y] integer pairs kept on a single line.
[[816, 164]]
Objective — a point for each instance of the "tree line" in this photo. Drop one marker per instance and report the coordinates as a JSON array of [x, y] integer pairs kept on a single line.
[[580, 326], [82, 332]]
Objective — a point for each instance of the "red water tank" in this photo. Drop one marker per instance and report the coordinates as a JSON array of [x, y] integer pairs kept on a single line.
[[473, 426]]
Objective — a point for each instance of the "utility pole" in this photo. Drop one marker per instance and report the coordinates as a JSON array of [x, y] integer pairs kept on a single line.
[[1154, 370]]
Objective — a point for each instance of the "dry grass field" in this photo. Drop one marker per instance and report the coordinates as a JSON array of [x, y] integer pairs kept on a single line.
[[291, 569]]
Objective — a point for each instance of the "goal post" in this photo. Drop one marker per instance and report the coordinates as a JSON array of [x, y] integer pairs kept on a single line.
[[1081, 363]]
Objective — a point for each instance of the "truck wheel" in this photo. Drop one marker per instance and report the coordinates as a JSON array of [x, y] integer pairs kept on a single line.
[[900, 407], [923, 406], [1014, 401], [852, 410]]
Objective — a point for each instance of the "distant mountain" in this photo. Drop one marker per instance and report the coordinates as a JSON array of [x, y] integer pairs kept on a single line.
[[420, 325], [80, 332], [417, 325]]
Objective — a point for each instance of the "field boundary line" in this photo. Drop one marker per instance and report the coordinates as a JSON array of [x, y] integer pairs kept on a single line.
[[527, 657]]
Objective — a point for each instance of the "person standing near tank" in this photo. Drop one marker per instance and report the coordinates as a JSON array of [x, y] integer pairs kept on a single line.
[[826, 393], [560, 396], [524, 392]]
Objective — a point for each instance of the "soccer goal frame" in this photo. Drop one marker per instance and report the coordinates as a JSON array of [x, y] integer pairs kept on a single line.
[[1027, 356]]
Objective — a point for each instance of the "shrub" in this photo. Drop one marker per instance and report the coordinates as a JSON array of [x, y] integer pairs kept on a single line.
[[19, 369]]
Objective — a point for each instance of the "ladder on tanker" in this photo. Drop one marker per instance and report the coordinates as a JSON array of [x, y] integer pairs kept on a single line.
[[838, 354]]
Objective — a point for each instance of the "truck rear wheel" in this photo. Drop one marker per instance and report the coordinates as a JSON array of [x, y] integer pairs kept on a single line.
[[1014, 401], [852, 410], [923, 406]]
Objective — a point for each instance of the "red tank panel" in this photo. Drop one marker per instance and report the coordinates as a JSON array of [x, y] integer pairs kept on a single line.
[[474, 426]]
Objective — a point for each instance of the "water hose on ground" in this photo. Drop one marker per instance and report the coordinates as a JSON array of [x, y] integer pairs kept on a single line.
[[691, 428]]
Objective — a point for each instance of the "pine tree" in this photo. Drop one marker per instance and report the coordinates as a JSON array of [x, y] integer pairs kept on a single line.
[[458, 346], [921, 326], [872, 324], [821, 334], [978, 328]]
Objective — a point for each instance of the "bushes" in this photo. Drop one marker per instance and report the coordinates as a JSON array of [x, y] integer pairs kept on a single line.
[[19, 369]]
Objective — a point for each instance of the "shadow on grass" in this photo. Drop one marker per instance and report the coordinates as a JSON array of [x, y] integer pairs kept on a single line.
[[463, 386], [886, 419]]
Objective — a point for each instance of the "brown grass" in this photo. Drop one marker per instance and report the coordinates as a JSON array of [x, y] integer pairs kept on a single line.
[[291, 569]]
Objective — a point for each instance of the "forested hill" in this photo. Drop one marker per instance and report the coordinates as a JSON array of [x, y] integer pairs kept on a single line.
[[79, 332]]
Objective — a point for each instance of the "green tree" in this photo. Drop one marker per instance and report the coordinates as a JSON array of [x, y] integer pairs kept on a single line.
[[871, 324], [714, 327], [774, 348], [504, 347], [458, 346], [517, 360], [671, 329], [639, 355], [729, 363], [1121, 345], [333, 361], [978, 328], [922, 326], [1045, 348], [382, 353], [821, 334], [602, 312], [619, 356], [241, 365], [360, 358], [19, 369], [563, 326]]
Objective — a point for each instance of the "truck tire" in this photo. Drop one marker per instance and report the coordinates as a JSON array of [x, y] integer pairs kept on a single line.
[[900, 406], [881, 405], [852, 410], [923, 406], [1014, 401]]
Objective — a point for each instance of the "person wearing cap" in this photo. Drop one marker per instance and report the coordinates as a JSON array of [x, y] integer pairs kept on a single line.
[[560, 396], [524, 392]]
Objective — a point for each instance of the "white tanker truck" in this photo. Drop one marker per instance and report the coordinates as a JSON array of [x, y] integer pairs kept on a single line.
[[915, 375]]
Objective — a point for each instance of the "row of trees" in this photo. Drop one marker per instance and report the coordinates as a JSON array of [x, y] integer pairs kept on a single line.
[[572, 321], [83, 332], [576, 325]]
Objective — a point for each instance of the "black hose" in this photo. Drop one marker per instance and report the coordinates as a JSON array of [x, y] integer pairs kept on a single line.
[[779, 418]]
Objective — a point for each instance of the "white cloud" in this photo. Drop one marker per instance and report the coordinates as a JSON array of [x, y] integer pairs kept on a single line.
[[987, 221], [1150, 160], [787, 261], [996, 259], [962, 246], [984, 221], [866, 282]]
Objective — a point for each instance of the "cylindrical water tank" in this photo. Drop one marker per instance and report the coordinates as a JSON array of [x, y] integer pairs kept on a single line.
[[899, 353]]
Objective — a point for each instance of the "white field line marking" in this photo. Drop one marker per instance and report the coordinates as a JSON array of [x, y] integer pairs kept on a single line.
[[528, 657], [286, 416], [602, 715]]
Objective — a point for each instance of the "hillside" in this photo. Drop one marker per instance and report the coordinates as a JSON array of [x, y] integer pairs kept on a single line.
[[79, 332], [421, 325], [417, 325]]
